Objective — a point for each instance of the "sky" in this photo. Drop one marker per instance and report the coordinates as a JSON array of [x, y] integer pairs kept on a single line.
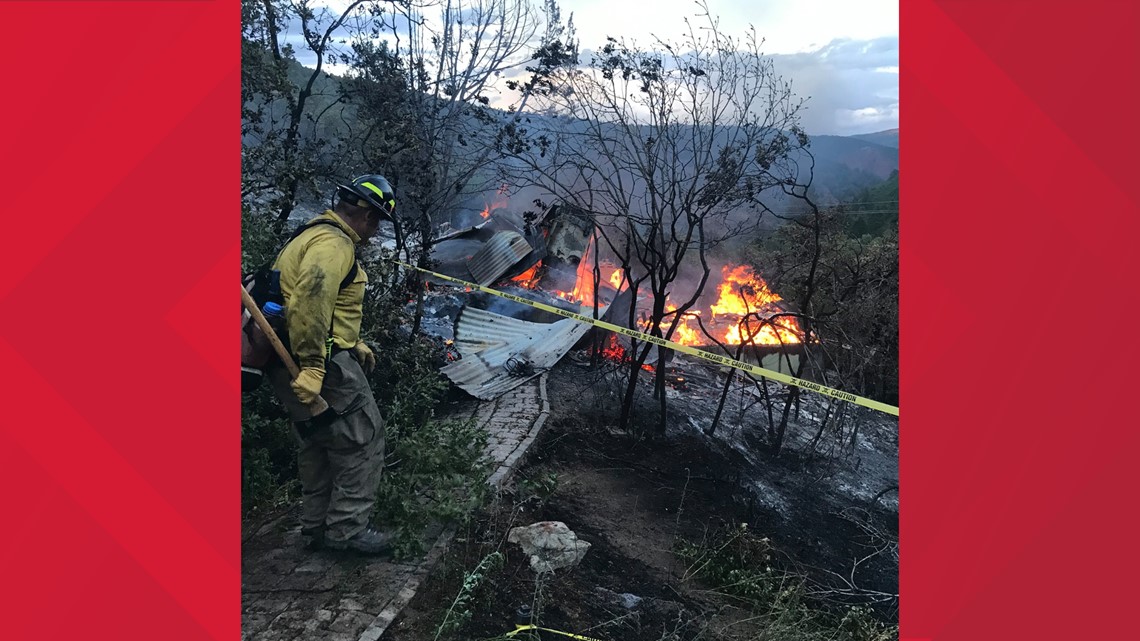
[[841, 55]]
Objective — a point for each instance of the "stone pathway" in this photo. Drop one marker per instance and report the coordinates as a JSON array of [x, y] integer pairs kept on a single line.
[[290, 594]]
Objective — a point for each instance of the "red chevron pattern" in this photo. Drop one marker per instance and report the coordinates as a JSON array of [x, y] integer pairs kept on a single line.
[[1020, 204], [120, 438]]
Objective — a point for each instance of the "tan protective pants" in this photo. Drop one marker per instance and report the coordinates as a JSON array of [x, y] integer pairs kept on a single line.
[[341, 464]]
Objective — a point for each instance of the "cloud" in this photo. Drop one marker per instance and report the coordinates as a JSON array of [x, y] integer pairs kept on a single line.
[[340, 41], [851, 86]]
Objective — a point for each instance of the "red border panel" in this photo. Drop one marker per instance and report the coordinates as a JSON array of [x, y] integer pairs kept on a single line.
[[1019, 163], [120, 439]]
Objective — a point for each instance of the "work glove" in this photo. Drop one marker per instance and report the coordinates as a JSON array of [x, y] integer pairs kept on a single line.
[[307, 385], [364, 356]]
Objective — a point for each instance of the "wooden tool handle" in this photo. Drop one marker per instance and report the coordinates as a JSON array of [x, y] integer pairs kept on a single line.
[[317, 406]]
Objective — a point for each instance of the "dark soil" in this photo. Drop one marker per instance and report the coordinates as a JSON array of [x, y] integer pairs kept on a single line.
[[635, 500]]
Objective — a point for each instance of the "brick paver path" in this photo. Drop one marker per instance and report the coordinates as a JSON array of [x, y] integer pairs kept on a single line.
[[290, 594]]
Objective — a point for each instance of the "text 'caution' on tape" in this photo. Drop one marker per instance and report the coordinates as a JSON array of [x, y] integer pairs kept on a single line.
[[684, 349]]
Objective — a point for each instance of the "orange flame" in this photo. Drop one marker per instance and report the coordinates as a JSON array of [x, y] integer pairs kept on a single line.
[[584, 278], [742, 292], [617, 278], [501, 200], [583, 292], [613, 350], [527, 279], [779, 331], [683, 334]]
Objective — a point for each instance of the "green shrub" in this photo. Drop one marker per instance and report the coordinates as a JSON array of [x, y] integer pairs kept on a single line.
[[260, 239], [268, 461], [540, 489], [740, 564], [860, 624], [434, 474]]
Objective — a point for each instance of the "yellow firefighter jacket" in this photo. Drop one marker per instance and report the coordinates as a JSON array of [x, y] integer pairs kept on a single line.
[[312, 268]]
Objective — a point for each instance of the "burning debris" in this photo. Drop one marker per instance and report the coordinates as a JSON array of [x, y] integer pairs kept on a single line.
[[500, 344], [741, 293], [502, 252]]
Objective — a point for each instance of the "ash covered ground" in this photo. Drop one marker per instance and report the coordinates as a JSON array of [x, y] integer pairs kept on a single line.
[[830, 511]]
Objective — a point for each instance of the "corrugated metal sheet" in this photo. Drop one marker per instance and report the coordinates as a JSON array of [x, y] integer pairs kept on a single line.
[[499, 254], [499, 353], [459, 232]]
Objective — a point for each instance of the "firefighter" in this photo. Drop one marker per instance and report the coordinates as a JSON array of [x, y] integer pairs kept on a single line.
[[341, 458]]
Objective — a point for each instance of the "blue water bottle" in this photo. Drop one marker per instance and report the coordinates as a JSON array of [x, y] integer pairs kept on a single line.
[[275, 314]]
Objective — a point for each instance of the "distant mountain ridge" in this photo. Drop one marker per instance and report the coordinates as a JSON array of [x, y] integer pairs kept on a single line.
[[886, 137], [847, 165], [844, 165]]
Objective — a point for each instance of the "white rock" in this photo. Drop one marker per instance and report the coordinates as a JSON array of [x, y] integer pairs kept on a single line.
[[550, 545]]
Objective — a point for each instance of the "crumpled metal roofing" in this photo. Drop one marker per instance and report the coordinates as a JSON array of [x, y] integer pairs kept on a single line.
[[497, 256], [499, 353], [455, 233]]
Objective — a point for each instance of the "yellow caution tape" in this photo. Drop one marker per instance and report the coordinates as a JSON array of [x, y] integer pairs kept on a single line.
[[811, 386], [522, 628]]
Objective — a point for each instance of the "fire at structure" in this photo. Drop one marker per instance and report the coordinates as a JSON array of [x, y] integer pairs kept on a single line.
[[557, 259]]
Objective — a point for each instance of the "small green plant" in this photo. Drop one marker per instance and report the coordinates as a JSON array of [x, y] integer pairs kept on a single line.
[[460, 611], [860, 624], [736, 562], [436, 475], [541, 489]]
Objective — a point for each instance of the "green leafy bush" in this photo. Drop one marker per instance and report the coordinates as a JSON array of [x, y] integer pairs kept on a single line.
[[540, 489], [435, 473], [260, 239]]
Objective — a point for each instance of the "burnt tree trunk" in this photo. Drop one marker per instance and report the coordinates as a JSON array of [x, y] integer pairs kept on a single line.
[[831, 405], [630, 389], [724, 392], [659, 389], [720, 404]]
